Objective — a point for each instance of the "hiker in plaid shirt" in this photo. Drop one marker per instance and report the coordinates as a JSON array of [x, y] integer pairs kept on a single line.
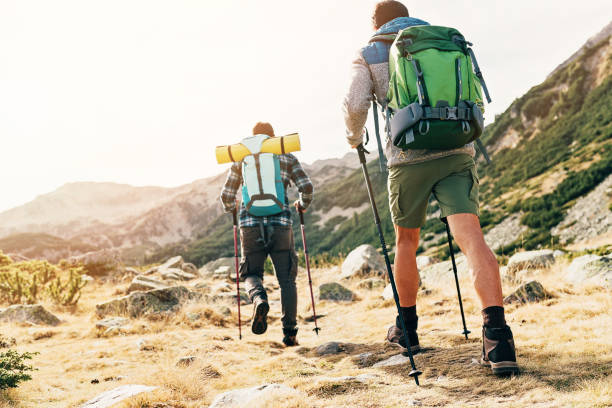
[[272, 236]]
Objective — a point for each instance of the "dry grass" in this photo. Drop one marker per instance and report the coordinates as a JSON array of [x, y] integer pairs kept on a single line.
[[564, 349]]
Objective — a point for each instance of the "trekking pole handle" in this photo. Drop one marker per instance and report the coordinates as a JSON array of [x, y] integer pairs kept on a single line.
[[235, 216], [361, 151], [301, 217]]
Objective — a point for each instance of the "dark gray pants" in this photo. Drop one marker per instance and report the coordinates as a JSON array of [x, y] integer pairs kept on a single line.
[[280, 247]]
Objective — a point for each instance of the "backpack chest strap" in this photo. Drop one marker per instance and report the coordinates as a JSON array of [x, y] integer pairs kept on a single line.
[[447, 113]]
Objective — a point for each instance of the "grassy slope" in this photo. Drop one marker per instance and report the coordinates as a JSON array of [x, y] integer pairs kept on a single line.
[[574, 127], [564, 348]]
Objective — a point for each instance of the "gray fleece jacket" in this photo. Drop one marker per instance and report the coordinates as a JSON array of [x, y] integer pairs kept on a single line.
[[371, 80]]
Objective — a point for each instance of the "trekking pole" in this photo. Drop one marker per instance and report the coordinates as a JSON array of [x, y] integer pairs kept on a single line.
[[314, 312], [452, 254], [381, 156], [234, 214], [362, 151]]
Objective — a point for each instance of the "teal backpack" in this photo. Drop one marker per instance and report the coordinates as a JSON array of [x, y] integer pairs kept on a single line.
[[434, 99], [263, 191]]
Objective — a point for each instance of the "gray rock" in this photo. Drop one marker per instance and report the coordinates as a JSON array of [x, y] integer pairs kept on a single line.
[[174, 262], [99, 263], [529, 292], [332, 347], [35, 314], [397, 359], [244, 397], [441, 272], [112, 397], [190, 268], [589, 217], [175, 274], [363, 261], [371, 283], [112, 322], [210, 268], [151, 302], [506, 231], [557, 253], [130, 271], [144, 283], [222, 287], [185, 361], [334, 291], [230, 297], [222, 272], [363, 359], [424, 261], [387, 293], [531, 260], [112, 325], [591, 269]]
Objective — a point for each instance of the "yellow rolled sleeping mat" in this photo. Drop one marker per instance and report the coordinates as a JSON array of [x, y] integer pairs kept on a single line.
[[277, 145]]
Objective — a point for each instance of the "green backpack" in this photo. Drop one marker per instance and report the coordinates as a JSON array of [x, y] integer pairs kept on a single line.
[[434, 98]]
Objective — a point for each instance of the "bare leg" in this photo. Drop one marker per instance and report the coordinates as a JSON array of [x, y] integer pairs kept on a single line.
[[406, 273], [482, 261]]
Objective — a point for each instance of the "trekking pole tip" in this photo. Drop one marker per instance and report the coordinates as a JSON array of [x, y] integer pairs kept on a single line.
[[415, 374], [317, 330]]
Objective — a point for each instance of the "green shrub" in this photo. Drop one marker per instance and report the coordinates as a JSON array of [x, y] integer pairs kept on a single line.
[[28, 282], [13, 369]]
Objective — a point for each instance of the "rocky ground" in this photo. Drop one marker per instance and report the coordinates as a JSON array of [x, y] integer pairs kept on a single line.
[[167, 337]]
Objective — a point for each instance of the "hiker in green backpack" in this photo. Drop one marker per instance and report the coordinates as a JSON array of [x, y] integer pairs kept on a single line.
[[428, 84], [265, 226]]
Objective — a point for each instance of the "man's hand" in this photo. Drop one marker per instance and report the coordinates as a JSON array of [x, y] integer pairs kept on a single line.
[[298, 206]]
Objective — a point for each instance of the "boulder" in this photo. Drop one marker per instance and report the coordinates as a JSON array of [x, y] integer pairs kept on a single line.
[[35, 314], [231, 297], [212, 266], [99, 263], [443, 271], [190, 268], [529, 292], [397, 359], [424, 261], [175, 274], [112, 397], [591, 269], [174, 262], [363, 261], [151, 302], [371, 283], [531, 260], [336, 292], [111, 324], [245, 397], [332, 347], [144, 283], [222, 272], [387, 293]]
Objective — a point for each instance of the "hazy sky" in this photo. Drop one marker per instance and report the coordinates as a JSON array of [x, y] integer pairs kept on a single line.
[[141, 91]]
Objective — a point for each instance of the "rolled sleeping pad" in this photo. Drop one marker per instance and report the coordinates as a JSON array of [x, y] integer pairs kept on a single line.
[[231, 153], [281, 145], [276, 145]]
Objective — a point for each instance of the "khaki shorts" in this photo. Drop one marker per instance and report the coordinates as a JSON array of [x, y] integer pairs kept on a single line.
[[452, 180]]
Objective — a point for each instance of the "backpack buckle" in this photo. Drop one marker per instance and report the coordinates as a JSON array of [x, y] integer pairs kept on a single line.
[[448, 113]]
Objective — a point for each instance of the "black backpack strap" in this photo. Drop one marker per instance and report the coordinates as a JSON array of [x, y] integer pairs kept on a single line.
[[479, 74]]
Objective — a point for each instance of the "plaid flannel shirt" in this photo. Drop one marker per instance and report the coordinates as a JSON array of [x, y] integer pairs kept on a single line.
[[291, 171]]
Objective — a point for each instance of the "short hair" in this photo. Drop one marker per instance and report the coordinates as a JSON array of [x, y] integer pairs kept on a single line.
[[263, 128], [387, 10]]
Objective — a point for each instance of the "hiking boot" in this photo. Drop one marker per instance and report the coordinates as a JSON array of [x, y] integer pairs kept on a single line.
[[498, 350], [259, 323], [395, 335], [290, 338]]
